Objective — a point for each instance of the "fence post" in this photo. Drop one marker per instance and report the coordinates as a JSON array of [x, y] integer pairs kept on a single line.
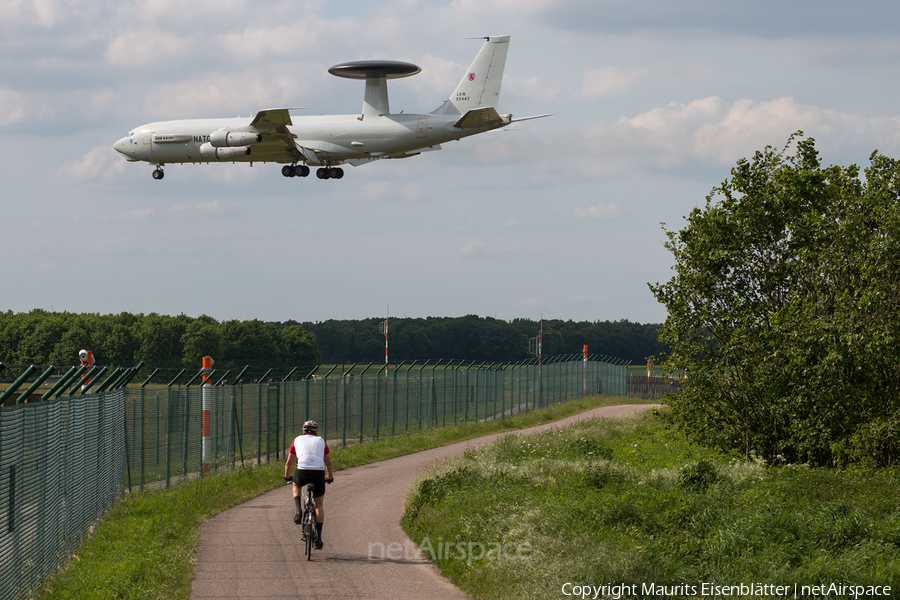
[[37, 382], [324, 415], [394, 415], [362, 396], [376, 410], [17, 383], [345, 382]]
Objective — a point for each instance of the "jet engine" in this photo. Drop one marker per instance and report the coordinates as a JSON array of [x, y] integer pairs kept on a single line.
[[209, 151], [228, 139]]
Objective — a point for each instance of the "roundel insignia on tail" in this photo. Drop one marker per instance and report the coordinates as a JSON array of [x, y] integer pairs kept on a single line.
[[471, 76]]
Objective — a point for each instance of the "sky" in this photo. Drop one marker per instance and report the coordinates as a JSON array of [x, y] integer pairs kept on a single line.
[[562, 217]]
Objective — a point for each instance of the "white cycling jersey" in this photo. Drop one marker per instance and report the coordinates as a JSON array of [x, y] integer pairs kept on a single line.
[[310, 451]]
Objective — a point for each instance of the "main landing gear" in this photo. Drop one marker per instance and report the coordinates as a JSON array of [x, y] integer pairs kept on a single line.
[[303, 171], [295, 171], [158, 173], [330, 173]]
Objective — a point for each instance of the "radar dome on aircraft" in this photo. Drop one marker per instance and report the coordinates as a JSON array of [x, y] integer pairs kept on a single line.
[[366, 69], [376, 73]]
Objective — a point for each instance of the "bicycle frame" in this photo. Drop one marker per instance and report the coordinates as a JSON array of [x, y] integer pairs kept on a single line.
[[309, 521]]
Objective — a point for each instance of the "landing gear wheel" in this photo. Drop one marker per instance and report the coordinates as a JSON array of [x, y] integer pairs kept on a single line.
[[302, 171], [288, 171], [335, 173], [322, 173], [158, 174]]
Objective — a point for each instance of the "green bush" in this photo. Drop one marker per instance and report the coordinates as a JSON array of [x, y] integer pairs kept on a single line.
[[697, 476]]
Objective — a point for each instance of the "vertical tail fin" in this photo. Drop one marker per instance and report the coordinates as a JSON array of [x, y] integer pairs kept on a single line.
[[480, 86]]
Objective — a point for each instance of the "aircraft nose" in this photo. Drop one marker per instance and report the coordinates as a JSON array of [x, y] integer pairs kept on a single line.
[[120, 146]]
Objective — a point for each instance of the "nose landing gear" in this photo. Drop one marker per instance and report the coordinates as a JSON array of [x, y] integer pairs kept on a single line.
[[158, 173]]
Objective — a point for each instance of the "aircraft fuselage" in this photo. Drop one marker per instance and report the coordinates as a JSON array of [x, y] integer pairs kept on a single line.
[[332, 139]]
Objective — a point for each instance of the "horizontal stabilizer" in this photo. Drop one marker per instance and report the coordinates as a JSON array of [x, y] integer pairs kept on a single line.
[[480, 117], [531, 118]]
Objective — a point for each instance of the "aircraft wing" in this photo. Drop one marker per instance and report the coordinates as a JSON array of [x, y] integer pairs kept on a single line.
[[272, 118], [273, 124]]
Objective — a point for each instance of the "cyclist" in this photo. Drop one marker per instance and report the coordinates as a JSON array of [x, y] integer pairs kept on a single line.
[[313, 466]]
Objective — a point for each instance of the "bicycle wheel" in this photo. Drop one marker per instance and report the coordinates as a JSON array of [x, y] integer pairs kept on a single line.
[[309, 528], [309, 521]]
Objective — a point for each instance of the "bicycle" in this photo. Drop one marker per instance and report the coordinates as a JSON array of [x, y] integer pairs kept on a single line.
[[308, 519]]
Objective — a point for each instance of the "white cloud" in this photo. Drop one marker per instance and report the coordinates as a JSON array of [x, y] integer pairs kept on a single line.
[[12, 106], [138, 214], [139, 48], [375, 190], [712, 131], [411, 192], [610, 80], [598, 211], [533, 88], [473, 250], [204, 208], [44, 13], [101, 163]]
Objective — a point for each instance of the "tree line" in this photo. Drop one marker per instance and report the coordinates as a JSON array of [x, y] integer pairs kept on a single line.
[[44, 338], [478, 338]]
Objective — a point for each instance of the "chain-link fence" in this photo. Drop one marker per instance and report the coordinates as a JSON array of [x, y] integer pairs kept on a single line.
[[64, 462], [61, 469]]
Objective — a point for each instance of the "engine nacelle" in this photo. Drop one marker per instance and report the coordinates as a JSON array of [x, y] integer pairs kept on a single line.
[[209, 151], [233, 139]]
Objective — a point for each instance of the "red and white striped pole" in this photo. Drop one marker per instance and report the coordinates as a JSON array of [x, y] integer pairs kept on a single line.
[[386, 317], [207, 401]]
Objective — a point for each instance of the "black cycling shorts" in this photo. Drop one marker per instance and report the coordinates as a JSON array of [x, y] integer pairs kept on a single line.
[[317, 478]]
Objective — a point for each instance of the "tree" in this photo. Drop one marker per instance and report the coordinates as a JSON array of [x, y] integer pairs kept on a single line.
[[73, 340], [300, 348], [250, 339], [42, 333], [160, 338], [784, 306], [202, 337]]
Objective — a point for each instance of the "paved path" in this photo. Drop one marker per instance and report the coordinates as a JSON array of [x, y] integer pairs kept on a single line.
[[254, 551]]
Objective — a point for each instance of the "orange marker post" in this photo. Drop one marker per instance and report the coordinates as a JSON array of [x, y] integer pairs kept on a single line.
[[206, 395]]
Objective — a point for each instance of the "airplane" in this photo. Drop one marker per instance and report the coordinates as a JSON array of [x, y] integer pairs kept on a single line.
[[327, 141]]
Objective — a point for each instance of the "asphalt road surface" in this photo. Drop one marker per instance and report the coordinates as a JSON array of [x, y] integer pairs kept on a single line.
[[254, 550]]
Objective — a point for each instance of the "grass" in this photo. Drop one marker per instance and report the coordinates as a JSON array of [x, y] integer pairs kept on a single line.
[[145, 547], [631, 502]]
